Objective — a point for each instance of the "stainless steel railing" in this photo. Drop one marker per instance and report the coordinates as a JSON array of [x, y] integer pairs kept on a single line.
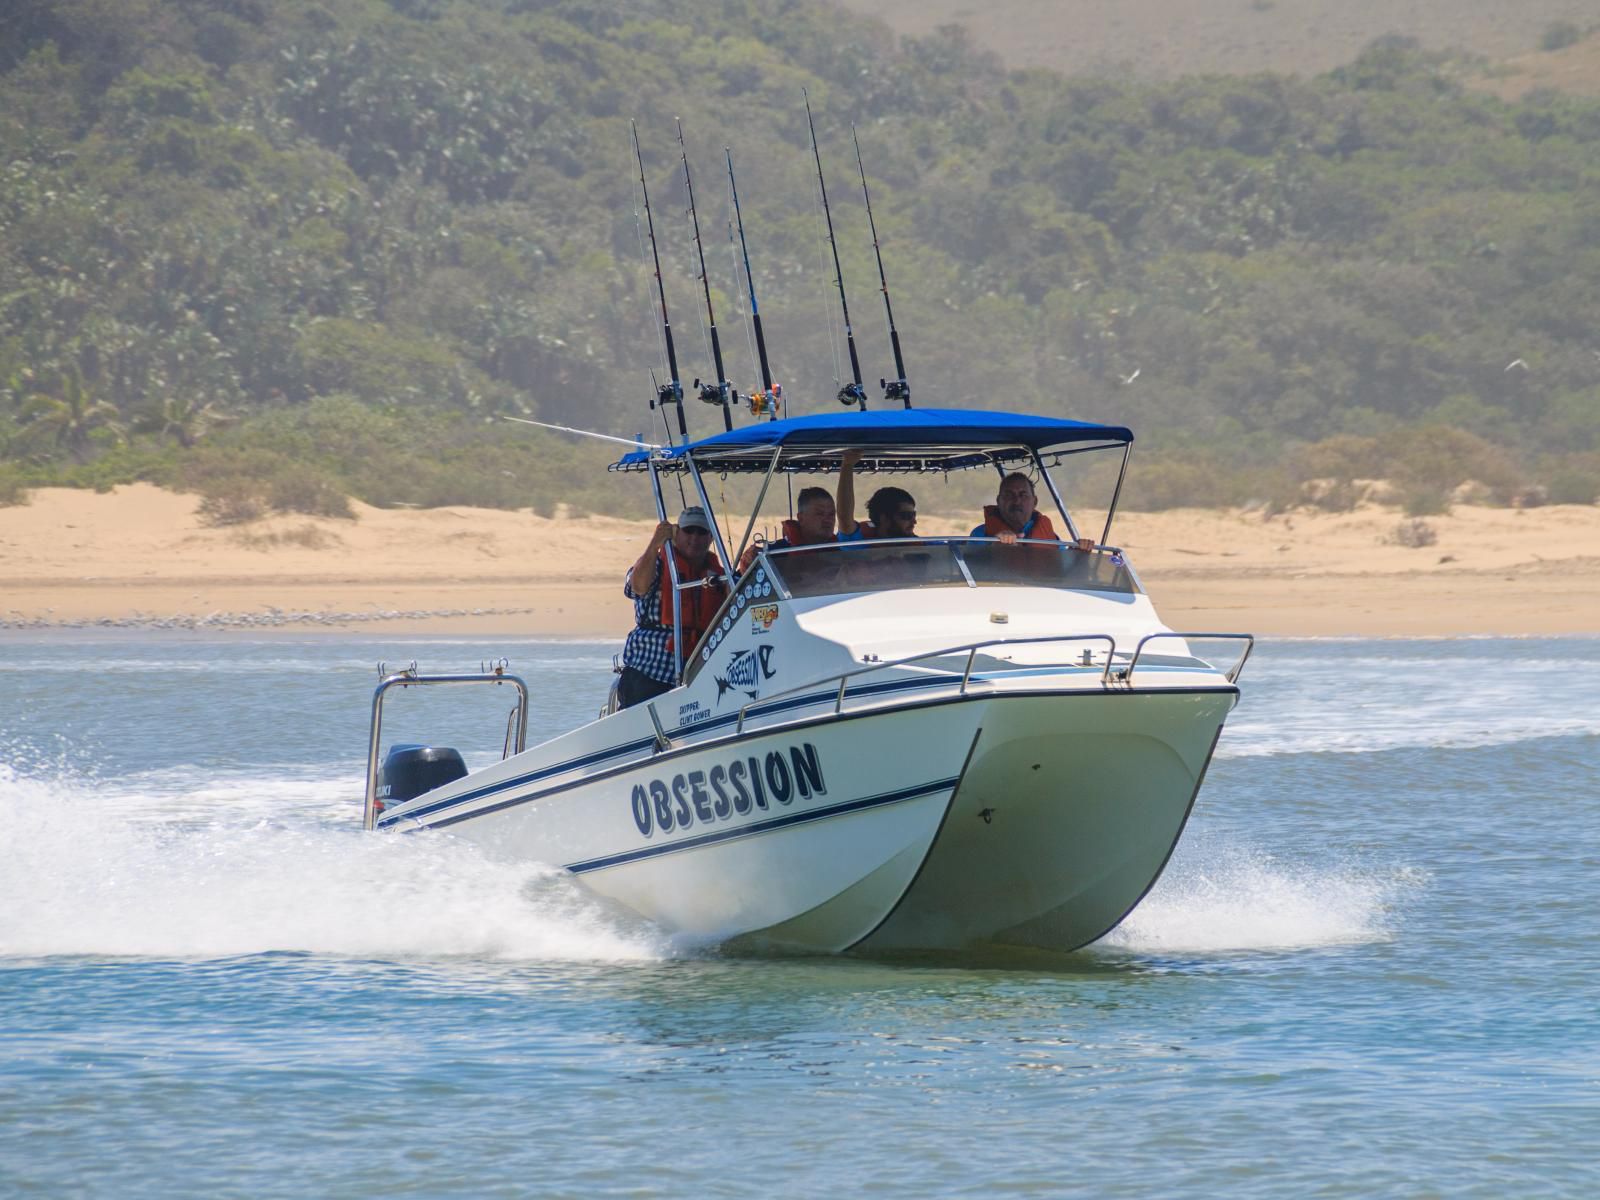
[[516, 720], [1125, 674], [1110, 675]]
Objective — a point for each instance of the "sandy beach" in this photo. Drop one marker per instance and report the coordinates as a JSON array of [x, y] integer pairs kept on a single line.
[[139, 556]]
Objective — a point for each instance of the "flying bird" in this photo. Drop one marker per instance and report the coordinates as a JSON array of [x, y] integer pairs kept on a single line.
[[1517, 365]]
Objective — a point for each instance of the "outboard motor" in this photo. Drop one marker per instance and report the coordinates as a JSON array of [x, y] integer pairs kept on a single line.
[[411, 770]]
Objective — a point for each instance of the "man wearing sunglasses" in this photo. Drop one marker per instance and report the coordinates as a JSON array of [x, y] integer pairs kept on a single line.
[[649, 658], [891, 513]]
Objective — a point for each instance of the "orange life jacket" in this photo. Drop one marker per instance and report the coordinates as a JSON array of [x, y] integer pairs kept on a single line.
[[791, 535], [994, 525], [700, 605]]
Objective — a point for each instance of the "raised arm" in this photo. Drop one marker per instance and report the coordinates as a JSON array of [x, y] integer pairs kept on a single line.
[[643, 575], [844, 500]]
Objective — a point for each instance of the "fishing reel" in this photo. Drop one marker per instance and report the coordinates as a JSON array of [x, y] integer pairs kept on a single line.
[[669, 393], [765, 404], [716, 393], [853, 393], [896, 389]]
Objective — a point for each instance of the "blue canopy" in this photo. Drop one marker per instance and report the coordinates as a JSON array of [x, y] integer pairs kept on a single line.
[[905, 439]]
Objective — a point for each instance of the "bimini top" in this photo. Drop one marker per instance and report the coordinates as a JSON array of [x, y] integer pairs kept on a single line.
[[915, 439]]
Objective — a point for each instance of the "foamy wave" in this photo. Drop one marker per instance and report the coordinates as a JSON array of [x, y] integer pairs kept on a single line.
[[1371, 702], [98, 875], [1212, 901], [1401, 732], [239, 797]]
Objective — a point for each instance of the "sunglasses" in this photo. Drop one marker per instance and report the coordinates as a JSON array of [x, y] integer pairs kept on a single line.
[[692, 531], [906, 514]]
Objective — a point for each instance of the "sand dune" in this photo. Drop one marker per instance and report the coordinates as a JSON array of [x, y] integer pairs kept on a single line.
[[140, 556], [1164, 39]]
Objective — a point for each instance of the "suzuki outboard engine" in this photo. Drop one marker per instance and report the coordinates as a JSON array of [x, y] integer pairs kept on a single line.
[[411, 770]]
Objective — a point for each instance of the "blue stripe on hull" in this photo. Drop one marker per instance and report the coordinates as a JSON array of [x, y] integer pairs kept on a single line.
[[595, 758], [783, 822], [642, 744], [572, 764]]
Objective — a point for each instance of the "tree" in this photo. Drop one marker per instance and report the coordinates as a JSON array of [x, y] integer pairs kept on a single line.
[[186, 419], [70, 417]]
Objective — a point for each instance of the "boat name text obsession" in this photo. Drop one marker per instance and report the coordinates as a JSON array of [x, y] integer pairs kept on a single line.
[[728, 789]]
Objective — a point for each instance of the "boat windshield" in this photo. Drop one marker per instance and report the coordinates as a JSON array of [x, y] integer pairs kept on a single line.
[[948, 562]]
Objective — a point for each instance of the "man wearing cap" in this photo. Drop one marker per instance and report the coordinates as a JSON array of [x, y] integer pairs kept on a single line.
[[649, 660]]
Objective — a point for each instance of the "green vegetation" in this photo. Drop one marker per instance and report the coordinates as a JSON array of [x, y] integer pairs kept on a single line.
[[1558, 35], [277, 253]]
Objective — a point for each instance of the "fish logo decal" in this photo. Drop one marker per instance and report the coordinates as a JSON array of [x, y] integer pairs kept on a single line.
[[745, 671]]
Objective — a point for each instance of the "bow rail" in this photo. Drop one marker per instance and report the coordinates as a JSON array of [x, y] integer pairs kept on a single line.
[[1111, 675]]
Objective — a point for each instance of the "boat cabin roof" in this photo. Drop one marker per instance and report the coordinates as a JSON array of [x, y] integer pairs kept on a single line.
[[915, 439]]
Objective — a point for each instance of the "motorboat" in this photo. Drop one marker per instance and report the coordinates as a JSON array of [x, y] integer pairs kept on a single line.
[[881, 745]]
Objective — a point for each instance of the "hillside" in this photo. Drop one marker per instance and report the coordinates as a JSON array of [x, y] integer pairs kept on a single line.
[[1573, 68], [1167, 39], [286, 253]]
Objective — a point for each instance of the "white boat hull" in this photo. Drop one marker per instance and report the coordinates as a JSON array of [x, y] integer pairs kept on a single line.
[[1031, 817], [1066, 815]]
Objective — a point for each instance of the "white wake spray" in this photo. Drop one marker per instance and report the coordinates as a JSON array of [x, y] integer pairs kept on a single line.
[[240, 866], [1220, 899]]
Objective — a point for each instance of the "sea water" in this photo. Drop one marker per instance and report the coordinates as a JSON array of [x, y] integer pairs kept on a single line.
[[1370, 968]]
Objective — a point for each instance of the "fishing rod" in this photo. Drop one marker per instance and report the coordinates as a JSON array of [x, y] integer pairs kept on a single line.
[[638, 233], [671, 392], [771, 395], [638, 443], [899, 389], [851, 393], [719, 392]]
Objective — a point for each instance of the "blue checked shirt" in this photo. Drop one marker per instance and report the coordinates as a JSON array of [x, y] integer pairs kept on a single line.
[[646, 649]]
